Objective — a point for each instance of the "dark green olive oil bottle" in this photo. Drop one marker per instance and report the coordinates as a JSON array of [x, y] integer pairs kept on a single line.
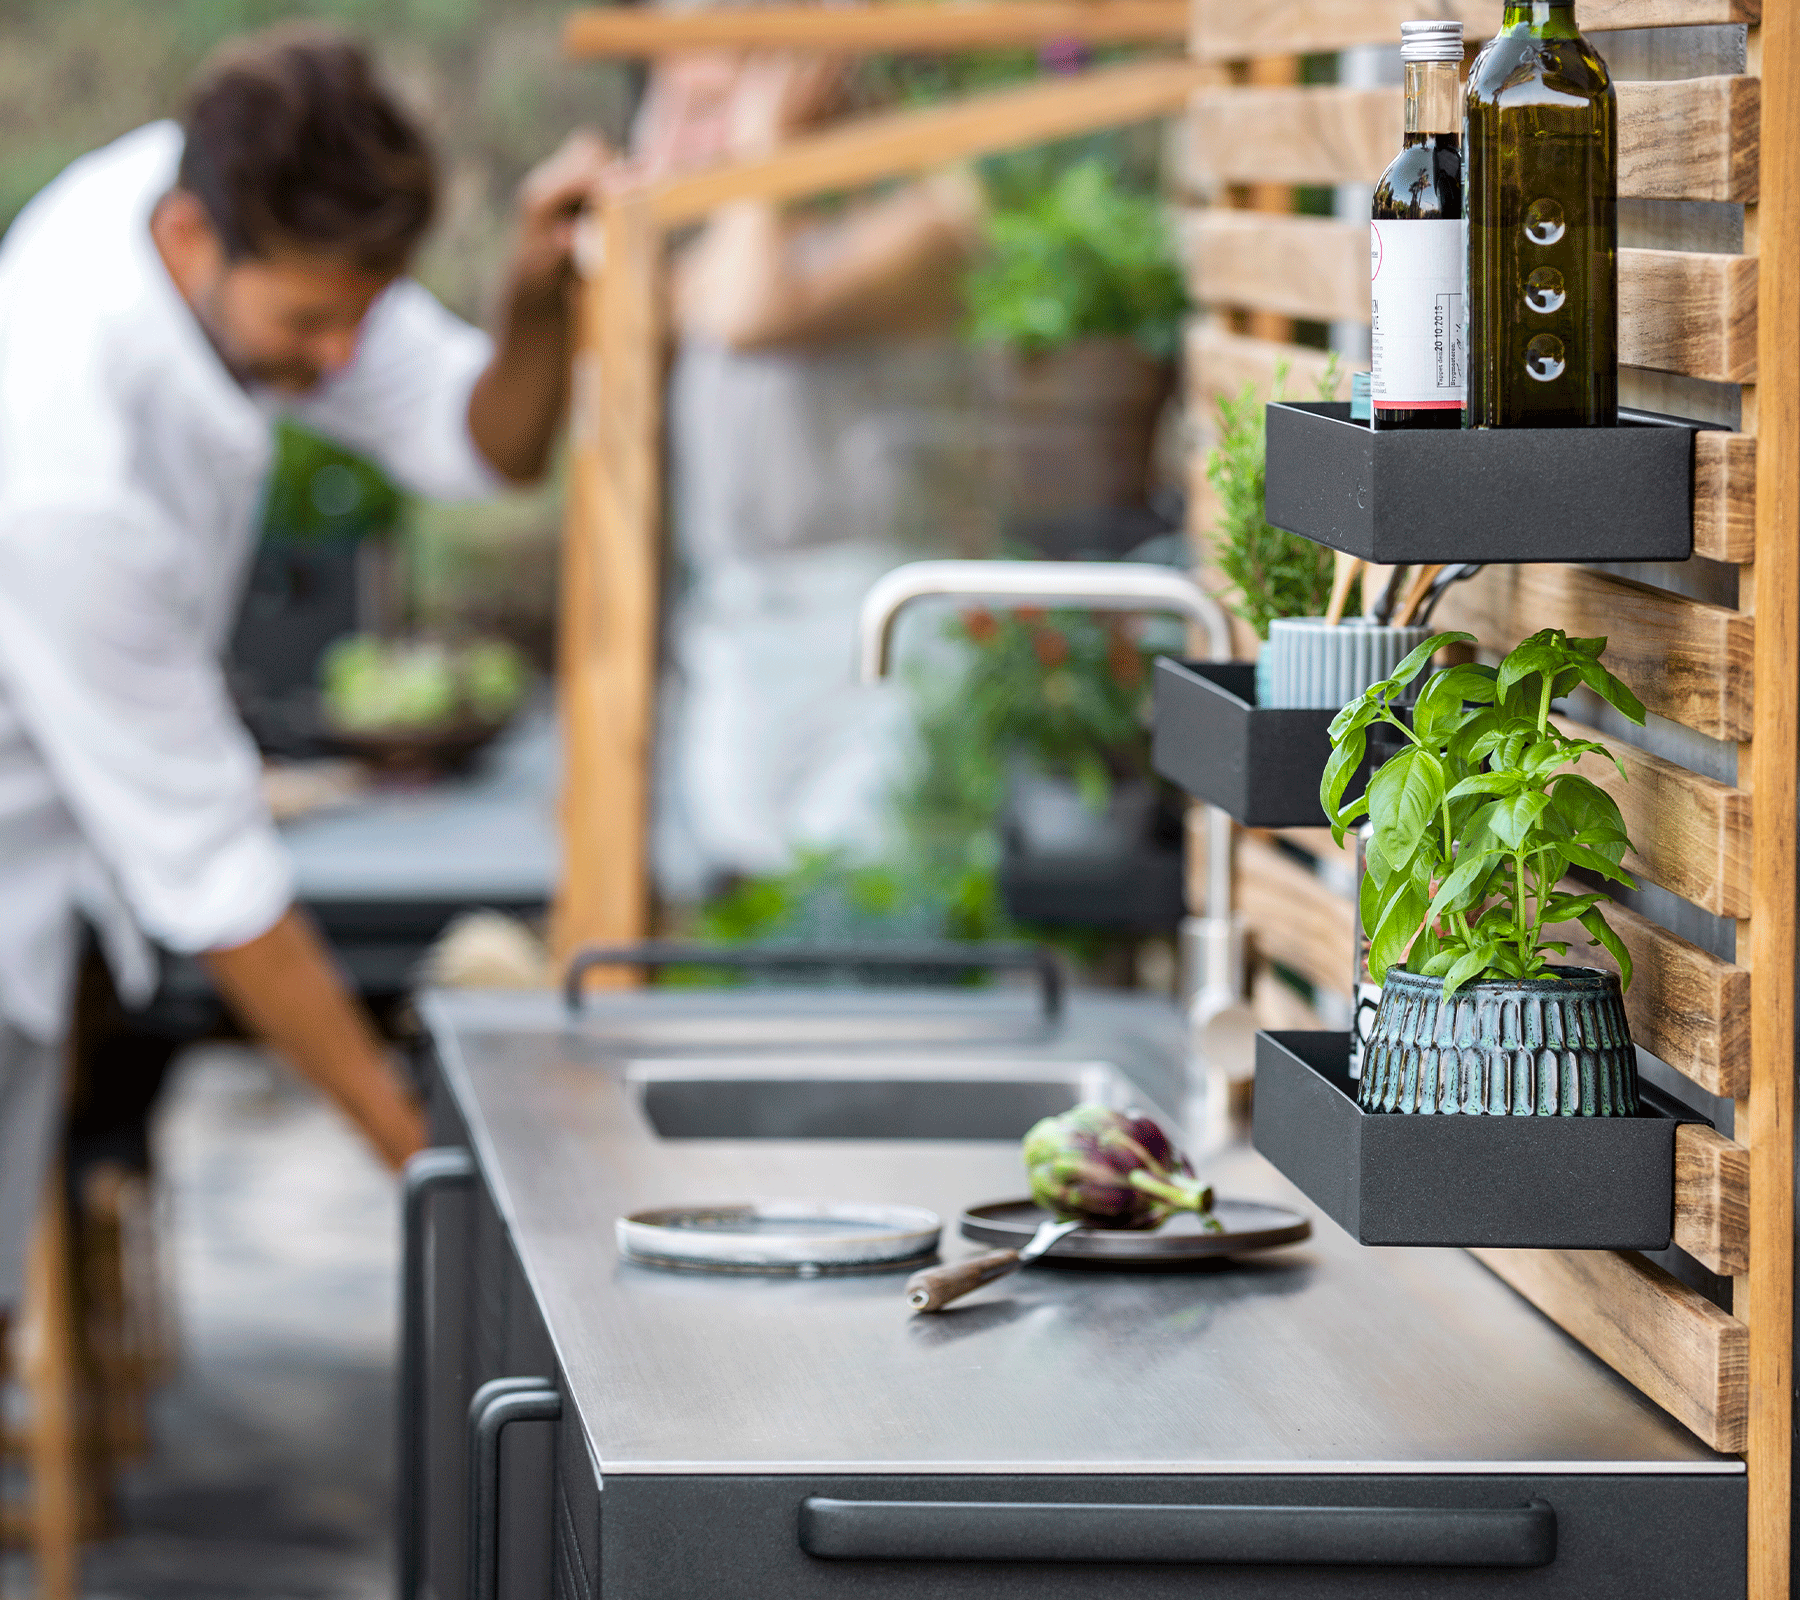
[[1542, 160]]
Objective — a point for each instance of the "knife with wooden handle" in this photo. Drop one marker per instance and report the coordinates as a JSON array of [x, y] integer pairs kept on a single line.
[[935, 1287]]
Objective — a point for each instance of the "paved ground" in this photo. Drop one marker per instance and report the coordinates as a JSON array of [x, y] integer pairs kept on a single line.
[[272, 1472]]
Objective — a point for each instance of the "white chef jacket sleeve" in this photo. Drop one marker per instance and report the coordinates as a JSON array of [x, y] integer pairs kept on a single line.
[[104, 653], [404, 399]]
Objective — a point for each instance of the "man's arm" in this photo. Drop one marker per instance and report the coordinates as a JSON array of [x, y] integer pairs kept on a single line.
[[517, 403], [283, 986], [887, 266]]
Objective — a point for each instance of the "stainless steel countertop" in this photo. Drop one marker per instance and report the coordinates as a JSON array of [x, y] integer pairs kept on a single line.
[[1325, 1357]]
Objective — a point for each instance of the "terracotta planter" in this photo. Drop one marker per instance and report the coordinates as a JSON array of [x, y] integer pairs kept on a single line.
[[1074, 429], [1529, 1047]]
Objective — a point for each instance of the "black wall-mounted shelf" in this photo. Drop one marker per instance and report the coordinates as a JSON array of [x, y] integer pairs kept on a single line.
[[1568, 1183], [1490, 494], [1258, 764]]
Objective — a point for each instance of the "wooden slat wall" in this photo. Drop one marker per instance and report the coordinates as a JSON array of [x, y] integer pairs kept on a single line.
[[1225, 30], [1680, 311], [1723, 671], [1687, 139]]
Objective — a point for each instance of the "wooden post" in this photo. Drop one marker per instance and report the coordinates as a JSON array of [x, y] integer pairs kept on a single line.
[[1265, 71], [51, 1375], [607, 643], [1765, 1122]]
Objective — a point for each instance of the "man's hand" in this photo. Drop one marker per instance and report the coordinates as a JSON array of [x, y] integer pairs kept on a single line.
[[549, 205], [285, 989], [518, 402]]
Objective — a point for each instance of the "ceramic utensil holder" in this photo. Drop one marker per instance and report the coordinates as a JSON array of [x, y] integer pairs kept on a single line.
[[1319, 666]]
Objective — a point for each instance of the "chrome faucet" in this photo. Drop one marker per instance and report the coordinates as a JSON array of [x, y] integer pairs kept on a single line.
[[1094, 585], [1216, 1011]]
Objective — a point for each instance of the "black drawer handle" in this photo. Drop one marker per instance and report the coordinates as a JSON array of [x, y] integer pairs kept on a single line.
[[945, 955], [1300, 1536], [498, 1404], [428, 1173]]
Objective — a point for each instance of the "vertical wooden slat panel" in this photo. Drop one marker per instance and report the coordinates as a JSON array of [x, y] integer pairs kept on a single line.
[[1765, 1122]]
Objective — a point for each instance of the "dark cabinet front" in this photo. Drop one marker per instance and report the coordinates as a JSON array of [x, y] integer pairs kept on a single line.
[[478, 1321]]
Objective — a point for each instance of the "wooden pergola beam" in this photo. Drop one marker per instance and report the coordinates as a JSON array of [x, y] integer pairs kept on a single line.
[[634, 32], [896, 143]]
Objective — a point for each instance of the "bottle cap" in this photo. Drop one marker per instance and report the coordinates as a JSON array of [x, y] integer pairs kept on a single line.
[[1431, 41]]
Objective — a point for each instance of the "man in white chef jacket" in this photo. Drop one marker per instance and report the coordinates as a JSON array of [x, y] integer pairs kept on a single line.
[[160, 302]]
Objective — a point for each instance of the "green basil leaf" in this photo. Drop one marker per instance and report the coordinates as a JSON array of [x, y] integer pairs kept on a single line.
[[1459, 889], [1346, 756], [1579, 855], [1395, 929], [1370, 894], [1588, 809], [1359, 713], [1440, 708], [1610, 942], [1404, 796], [1478, 959], [1416, 658], [1516, 815], [1570, 907], [1612, 691], [1538, 654], [1488, 783]]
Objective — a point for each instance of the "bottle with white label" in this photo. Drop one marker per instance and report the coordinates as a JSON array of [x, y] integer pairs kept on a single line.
[[1416, 245]]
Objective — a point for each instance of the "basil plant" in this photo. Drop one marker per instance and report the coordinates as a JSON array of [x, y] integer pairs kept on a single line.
[[1479, 817]]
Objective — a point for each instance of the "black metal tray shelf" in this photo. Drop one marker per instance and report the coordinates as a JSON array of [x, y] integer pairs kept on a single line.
[[1494, 495], [1550, 1183], [1258, 764]]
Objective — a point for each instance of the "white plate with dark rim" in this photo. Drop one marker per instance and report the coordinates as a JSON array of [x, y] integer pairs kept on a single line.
[[804, 1237]]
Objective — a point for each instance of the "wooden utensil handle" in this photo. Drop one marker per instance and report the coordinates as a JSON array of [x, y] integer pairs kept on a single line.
[[935, 1287], [1415, 594], [1343, 575]]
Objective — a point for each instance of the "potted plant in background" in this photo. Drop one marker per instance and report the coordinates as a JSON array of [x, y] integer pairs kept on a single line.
[[324, 568], [1476, 821], [1270, 572], [1076, 305]]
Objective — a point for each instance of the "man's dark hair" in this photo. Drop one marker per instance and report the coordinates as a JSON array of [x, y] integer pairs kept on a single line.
[[293, 145]]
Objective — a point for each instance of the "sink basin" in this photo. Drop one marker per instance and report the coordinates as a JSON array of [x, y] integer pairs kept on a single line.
[[886, 1099]]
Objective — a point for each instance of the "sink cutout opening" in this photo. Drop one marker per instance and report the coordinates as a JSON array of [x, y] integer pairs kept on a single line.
[[853, 1108]]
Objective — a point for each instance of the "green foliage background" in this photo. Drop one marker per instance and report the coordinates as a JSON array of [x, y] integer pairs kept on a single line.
[[1081, 257]]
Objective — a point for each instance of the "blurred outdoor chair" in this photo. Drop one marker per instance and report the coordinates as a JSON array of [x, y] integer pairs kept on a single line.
[[95, 1333]]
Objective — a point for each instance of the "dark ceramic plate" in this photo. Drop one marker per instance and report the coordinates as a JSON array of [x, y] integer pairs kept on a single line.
[[1248, 1225], [448, 747]]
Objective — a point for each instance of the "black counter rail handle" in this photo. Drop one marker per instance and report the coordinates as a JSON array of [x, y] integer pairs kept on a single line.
[[946, 954], [1199, 1535], [497, 1405], [430, 1172]]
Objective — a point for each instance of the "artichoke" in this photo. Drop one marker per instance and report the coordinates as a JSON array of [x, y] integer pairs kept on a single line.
[[1110, 1169]]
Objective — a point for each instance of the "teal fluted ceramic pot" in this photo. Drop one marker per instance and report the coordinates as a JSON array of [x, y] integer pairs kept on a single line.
[[1530, 1047]]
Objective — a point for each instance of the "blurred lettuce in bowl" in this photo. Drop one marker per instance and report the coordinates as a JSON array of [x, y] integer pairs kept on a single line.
[[372, 685]]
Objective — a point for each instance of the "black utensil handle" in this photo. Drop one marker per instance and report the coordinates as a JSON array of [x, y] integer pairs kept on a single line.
[[1205, 1535], [428, 1173], [497, 1404], [950, 957]]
